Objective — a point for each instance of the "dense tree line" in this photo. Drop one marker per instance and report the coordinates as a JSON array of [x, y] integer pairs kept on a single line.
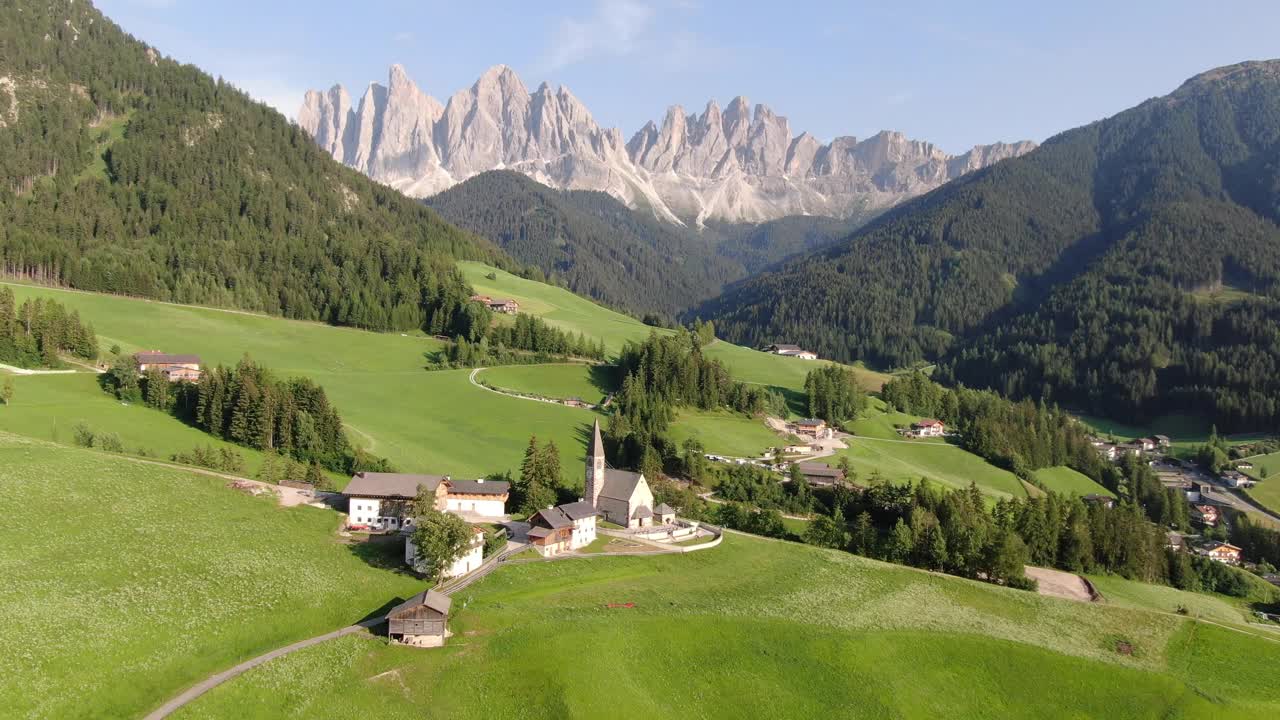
[[529, 339], [661, 374], [249, 406], [37, 332], [539, 482], [1084, 273], [834, 394], [126, 172]]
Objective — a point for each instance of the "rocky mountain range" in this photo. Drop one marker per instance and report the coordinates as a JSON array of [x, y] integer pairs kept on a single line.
[[739, 164]]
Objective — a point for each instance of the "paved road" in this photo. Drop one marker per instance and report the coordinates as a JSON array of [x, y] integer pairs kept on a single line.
[[214, 681]]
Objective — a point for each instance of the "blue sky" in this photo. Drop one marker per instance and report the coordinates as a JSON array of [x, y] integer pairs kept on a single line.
[[955, 73]]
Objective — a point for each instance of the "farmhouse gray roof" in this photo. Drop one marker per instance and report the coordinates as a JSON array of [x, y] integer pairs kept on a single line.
[[578, 510], [403, 486], [554, 517], [155, 357], [820, 470], [811, 422], [620, 484], [478, 487], [428, 598], [781, 347]]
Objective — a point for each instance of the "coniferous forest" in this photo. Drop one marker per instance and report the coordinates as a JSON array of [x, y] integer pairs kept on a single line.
[[35, 333], [1129, 267], [122, 171]]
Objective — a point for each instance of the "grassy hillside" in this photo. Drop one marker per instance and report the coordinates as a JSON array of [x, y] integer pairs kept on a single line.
[[767, 629], [1067, 481], [724, 433], [1218, 608], [126, 582], [422, 421], [50, 406], [588, 382]]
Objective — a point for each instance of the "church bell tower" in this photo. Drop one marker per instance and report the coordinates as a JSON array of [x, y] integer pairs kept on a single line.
[[595, 467]]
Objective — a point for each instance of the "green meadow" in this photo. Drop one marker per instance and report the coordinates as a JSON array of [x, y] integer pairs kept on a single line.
[[587, 382], [725, 433], [1064, 480], [1120, 592], [434, 422], [758, 628], [125, 582]]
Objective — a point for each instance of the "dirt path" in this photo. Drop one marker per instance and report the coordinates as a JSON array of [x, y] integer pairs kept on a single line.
[[28, 371], [214, 681], [287, 497], [477, 371], [1056, 583]]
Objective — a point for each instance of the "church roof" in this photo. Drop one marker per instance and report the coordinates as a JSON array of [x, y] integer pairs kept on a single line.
[[597, 444], [620, 484], [664, 509], [642, 512]]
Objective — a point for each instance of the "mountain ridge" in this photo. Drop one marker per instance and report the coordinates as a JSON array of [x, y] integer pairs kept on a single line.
[[739, 164]]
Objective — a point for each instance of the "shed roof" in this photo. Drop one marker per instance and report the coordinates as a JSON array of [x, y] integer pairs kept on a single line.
[[642, 512], [478, 487], [553, 517], [782, 347], [427, 598], [664, 509], [578, 510], [820, 470], [811, 422], [390, 485]]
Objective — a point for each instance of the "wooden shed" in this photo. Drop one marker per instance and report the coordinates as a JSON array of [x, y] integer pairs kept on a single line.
[[421, 620]]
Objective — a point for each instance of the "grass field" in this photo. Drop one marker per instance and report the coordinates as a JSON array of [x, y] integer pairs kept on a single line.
[[50, 406], [725, 433], [434, 422], [766, 629], [1064, 480], [1218, 608], [126, 582], [570, 312], [588, 382]]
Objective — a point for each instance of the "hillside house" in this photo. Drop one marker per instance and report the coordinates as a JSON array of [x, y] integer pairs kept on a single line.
[[506, 306], [420, 621], [1244, 465], [812, 427], [664, 514], [1225, 553], [622, 497], [820, 475], [929, 427], [1236, 479], [794, 351], [471, 557], [1204, 514], [798, 449], [563, 528], [1107, 450], [1105, 501], [1174, 541], [173, 367], [383, 501]]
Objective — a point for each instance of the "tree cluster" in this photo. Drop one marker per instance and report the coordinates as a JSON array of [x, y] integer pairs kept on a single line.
[[528, 340], [834, 394], [539, 482], [36, 333]]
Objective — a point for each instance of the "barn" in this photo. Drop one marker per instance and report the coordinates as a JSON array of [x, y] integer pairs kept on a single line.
[[420, 621]]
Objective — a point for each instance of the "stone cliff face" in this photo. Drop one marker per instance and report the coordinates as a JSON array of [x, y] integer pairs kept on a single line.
[[741, 164]]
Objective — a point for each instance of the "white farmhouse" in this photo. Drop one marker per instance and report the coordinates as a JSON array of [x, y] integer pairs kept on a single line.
[[383, 501], [564, 527], [472, 555]]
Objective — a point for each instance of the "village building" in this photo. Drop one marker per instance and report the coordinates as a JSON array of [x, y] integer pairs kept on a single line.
[[1236, 479], [929, 427], [812, 427], [664, 514], [421, 620], [383, 501], [506, 306], [1244, 465], [798, 449], [471, 557], [563, 528], [794, 351], [1174, 540], [1204, 514], [1107, 450], [1225, 553], [622, 497], [820, 475], [1105, 501], [173, 367]]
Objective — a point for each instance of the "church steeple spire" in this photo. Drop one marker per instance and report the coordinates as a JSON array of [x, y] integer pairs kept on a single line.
[[595, 467]]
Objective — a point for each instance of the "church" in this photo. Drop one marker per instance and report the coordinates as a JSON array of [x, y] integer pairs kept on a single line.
[[621, 496]]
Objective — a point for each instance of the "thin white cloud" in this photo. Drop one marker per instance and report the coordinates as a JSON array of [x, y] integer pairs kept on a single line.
[[402, 37], [613, 28], [899, 98]]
